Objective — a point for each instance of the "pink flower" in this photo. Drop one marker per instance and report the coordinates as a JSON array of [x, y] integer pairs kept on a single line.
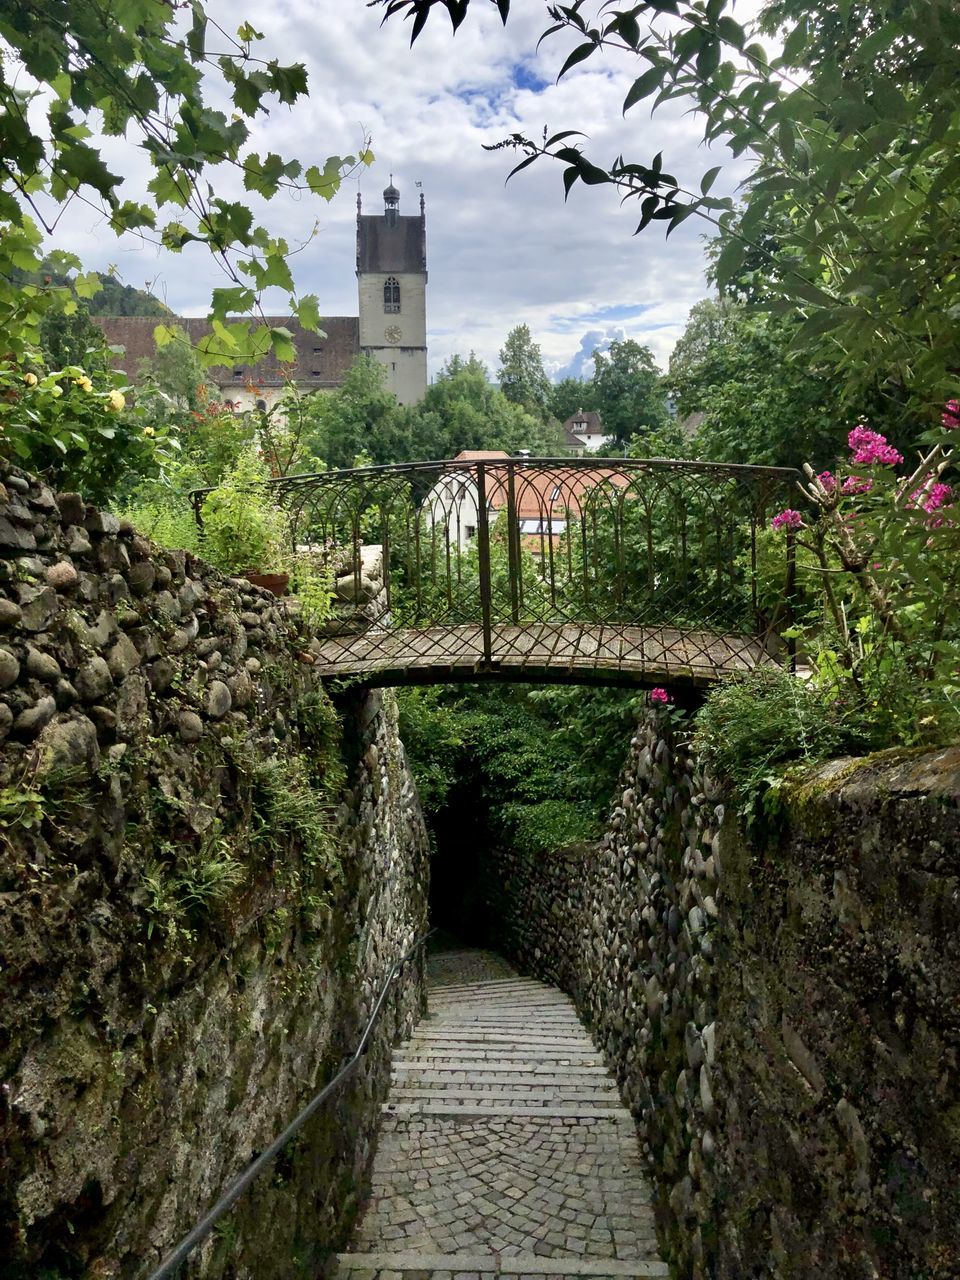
[[826, 478], [934, 499], [856, 484], [659, 697], [869, 447], [951, 415], [787, 519]]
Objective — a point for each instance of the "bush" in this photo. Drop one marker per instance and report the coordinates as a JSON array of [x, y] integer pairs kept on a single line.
[[752, 724]]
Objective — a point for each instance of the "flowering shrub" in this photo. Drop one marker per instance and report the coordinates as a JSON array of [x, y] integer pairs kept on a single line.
[[787, 520], [868, 448], [886, 553], [659, 697], [73, 432]]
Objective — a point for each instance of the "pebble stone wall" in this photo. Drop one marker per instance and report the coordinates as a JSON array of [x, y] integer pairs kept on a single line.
[[782, 1015], [182, 963]]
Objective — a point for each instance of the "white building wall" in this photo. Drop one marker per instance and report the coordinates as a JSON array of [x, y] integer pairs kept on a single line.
[[595, 443]]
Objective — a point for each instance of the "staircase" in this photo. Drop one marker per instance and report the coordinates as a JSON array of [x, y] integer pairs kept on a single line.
[[505, 1150]]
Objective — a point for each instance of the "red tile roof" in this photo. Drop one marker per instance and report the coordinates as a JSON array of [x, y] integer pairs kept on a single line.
[[321, 361]]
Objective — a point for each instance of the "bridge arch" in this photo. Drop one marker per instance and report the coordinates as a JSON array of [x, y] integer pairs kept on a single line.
[[586, 570]]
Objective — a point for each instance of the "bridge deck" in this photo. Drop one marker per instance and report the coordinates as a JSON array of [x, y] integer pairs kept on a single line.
[[552, 651]]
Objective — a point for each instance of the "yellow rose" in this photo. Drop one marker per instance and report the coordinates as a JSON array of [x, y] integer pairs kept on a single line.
[[116, 401], [83, 383], [149, 431], [30, 379]]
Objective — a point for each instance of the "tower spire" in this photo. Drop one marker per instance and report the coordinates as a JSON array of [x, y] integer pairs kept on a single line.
[[391, 204]]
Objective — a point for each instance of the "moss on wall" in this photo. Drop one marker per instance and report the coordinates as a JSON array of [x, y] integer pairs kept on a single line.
[[198, 899]]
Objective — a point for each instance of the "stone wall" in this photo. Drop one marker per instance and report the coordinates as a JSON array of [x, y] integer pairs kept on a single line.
[[203, 882], [782, 1014]]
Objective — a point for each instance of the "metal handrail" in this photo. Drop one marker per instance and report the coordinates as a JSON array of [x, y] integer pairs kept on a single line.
[[590, 463], [206, 1224]]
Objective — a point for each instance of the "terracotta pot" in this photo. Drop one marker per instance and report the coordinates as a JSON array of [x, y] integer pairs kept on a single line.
[[275, 582]]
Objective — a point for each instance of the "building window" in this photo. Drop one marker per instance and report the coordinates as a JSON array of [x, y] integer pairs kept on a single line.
[[315, 373], [391, 295]]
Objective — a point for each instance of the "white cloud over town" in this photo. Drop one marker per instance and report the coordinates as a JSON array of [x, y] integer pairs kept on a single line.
[[498, 254]]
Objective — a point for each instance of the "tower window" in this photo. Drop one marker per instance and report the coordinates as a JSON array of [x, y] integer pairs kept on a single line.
[[391, 295]]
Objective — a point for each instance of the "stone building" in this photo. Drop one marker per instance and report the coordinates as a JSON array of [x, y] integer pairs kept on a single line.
[[391, 325]]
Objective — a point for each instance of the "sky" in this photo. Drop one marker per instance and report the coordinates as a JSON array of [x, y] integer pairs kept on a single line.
[[498, 254]]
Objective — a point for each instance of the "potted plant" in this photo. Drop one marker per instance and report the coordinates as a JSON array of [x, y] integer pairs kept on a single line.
[[245, 531]]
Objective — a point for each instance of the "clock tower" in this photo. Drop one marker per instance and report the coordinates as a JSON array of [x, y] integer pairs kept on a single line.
[[392, 283]]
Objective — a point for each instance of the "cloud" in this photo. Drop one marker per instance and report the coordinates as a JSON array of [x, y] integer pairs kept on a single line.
[[581, 366], [498, 255]]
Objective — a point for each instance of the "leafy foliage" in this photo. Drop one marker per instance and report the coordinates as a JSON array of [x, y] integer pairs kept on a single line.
[[75, 70], [521, 375], [243, 527], [627, 390], [756, 398], [480, 750], [73, 433], [568, 396], [462, 409], [751, 726], [852, 207]]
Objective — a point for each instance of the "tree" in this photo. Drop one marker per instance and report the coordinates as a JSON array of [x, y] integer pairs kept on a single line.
[[567, 396], [761, 401], [74, 339], [360, 418], [628, 391], [131, 69], [116, 299], [170, 379], [469, 412], [854, 128], [521, 375]]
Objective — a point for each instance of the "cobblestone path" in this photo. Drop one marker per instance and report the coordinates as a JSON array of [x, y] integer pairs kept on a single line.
[[505, 1150]]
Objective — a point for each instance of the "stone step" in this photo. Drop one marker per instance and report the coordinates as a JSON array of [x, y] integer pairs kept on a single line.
[[525, 1029], [443, 1036], [504, 1151], [526, 1095], [499, 1264], [502, 1006], [545, 1072], [531, 1054], [512, 1018], [496, 986], [578, 1110]]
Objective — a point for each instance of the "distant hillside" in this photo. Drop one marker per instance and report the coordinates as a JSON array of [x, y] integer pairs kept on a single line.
[[114, 299]]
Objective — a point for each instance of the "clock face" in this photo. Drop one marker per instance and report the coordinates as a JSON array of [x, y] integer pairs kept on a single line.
[[393, 333]]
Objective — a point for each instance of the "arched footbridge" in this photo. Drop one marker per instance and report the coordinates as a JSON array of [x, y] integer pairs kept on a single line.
[[581, 570]]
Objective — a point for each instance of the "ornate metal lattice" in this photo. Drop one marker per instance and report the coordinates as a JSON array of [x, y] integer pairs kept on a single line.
[[587, 568]]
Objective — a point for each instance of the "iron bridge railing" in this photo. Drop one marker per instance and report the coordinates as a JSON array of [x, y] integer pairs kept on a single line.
[[517, 543]]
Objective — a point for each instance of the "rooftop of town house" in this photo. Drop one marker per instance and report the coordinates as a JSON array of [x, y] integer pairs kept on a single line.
[[585, 422], [322, 360]]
